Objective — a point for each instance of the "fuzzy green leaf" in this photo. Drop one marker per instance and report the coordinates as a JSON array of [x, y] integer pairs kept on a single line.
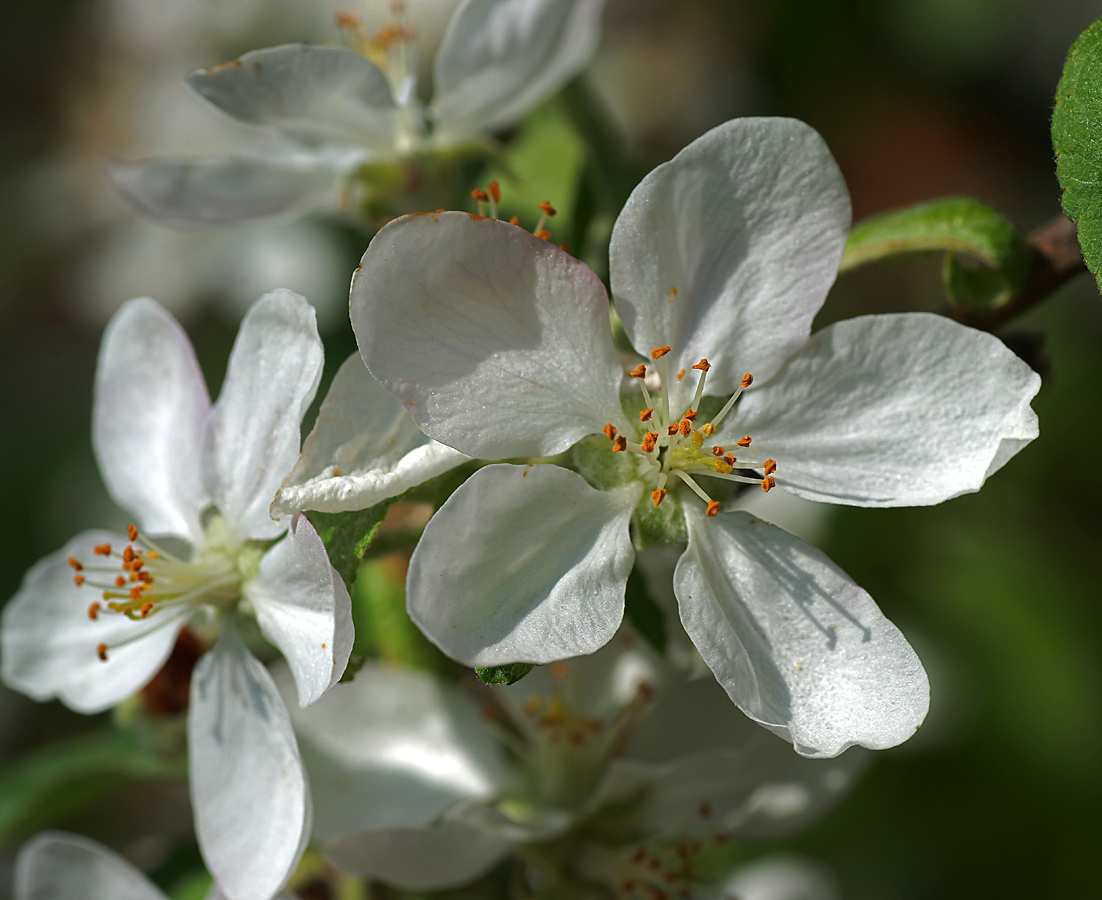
[[1077, 140], [986, 258], [510, 673], [347, 536]]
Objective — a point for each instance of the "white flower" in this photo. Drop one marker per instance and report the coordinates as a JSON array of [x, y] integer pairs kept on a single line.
[[325, 110], [498, 344], [94, 622], [55, 865], [417, 784]]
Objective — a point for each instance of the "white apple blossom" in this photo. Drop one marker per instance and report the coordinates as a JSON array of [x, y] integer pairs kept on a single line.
[[325, 111], [95, 621], [498, 343], [636, 774]]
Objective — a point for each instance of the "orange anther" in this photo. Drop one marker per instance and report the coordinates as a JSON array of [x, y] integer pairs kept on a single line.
[[76, 565], [346, 19], [649, 441], [101, 652], [659, 352], [93, 611], [744, 441], [132, 532], [680, 374], [768, 483], [658, 496], [718, 450], [638, 372], [731, 459], [559, 669], [135, 564], [144, 577], [78, 580], [713, 508], [547, 208], [479, 195], [514, 220], [621, 443], [610, 431], [690, 414], [136, 592], [703, 365], [770, 466], [102, 550], [147, 608], [672, 430], [120, 581], [709, 429], [128, 554], [543, 234], [495, 191], [645, 415], [747, 380], [685, 427]]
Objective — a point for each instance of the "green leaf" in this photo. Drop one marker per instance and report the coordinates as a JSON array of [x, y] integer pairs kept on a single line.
[[52, 783], [1077, 140], [644, 613], [510, 673], [347, 536], [986, 258]]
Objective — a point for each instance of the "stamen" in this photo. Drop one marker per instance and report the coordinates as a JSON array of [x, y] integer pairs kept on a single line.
[[78, 580], [731, 459], [744, 441], [672, 430], [514, 220], [345, 19], [621, 443], [658, 352], [649, 441], [147, 608], [546, 211], [543, 234], [713, 508], [770, 466], [93, 611], [132, 532], [482, 197], [610, 431], [495, 197], [685, 427], [768, 484], [684, 476], [690, 414], [680, 374], [101, 652], [709, 429], [547, 208], [639, 371], [658, 495], [718, 450], [697, 438], [747, 380], [77, 566], [102, 549], [645, 415], [703, 365]]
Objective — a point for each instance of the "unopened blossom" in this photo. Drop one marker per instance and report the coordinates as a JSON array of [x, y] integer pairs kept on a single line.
[[322, 112], [95, 621], [498, 343], [615, 769]]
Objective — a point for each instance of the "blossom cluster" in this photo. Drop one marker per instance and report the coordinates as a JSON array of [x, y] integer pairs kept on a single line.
[[589, 430]]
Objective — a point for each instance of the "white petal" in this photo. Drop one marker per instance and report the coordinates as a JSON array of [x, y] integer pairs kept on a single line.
[[497, 342], [782, 877], [522, 564], [892, 410], [252, 435], [147, 419], [50, 644], [747, 224], [420, 859], [222, 189], [797, 645], [499, 58], [394, 748], [363, 449], [58, 866], [315, 94], [299, 601], [248, 787]]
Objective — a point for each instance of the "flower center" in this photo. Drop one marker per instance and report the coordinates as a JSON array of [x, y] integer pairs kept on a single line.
[[142, 579], [567, 752], [681, 867], [674, 447]]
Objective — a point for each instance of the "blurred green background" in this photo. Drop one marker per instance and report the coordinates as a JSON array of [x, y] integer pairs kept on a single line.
[[999, 794]]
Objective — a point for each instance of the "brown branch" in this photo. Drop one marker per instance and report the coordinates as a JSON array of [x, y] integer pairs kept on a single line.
[[1056, 260]]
